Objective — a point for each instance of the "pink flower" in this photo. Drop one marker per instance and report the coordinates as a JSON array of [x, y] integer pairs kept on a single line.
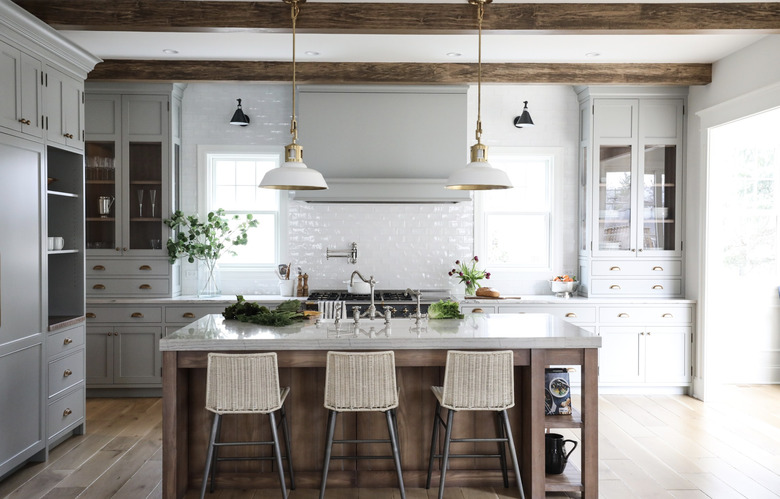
[[449, 273], [457, 262], [460, 274], [476, 258], [468, 283], [487, 275]]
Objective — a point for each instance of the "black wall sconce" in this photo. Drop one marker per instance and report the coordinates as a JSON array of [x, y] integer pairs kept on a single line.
[[524, 120], [239, 118]]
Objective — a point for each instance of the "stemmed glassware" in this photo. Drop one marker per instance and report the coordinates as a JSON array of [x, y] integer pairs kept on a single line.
[[153, 197], [140, 202]]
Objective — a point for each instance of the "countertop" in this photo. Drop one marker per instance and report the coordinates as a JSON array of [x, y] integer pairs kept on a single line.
[[510, 331], [192, 299]]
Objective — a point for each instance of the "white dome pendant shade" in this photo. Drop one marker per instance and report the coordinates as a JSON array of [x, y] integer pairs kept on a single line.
[[293, 175], [479, 175]]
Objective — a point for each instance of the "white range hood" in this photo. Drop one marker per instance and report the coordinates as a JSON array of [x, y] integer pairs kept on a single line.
[[384, 144]]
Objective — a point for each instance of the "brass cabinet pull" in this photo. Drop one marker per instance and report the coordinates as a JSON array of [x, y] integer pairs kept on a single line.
[[659, 268], [91, 315], [648, 333], [477, 311], [99, 286], [615, 269], [145, 286], [623, 315], [124, 248], [642, 333], [571, 314], [67, 341], [67, 135], [668, 316], [188, 315], [67, 373], [658, 286], [67, 412], [614, 286], [116, 249], [98, 267], [640, 250], [116, 334], [109, 333], [137, 315], [145, 267], [25, 122]]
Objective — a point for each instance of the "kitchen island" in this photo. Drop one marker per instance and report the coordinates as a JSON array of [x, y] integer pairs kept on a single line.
[[538, 340]]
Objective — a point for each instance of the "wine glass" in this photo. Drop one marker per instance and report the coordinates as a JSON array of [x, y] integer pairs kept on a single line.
[[153, 197], [140, 202]]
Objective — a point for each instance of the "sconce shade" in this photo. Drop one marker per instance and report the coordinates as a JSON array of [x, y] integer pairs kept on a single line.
[[239, 118], [524, 120]]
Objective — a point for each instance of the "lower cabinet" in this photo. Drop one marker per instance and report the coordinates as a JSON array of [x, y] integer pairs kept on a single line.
[[66, 373], [655, 355]]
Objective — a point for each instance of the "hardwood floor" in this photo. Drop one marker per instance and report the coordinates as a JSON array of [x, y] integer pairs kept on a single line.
[[650, 446]]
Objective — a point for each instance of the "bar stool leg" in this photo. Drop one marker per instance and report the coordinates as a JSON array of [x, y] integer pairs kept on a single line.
[[396, 454], [446, 454], [502, 448], [434, 439], [288, 447], [209, 455], [215, 457], [513, 453], [277, 453], [328, 446]]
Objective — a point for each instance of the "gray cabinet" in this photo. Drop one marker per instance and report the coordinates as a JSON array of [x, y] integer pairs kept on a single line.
[[66, 405], [20, 85], [64, 109]]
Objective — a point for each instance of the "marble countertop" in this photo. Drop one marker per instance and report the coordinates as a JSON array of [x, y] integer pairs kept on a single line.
[[496, 331], [195, 300]]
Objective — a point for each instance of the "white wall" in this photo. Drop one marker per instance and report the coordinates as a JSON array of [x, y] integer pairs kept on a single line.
[[402, 245]]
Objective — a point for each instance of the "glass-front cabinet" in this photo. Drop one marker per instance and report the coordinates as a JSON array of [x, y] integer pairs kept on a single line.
[[631, 152]]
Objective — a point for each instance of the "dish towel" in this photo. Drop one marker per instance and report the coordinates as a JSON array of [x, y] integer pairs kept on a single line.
[[331, 309]]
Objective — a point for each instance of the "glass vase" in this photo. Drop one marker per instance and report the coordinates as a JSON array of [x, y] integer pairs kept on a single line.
[[471, 289], [208, 279]]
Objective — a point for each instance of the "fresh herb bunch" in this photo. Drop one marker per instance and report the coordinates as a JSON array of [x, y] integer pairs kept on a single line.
[[469, 274], [444, 310], [207, 240], [285, 314]]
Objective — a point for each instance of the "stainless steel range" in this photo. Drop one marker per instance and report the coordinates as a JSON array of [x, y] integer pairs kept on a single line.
[[403, 305]]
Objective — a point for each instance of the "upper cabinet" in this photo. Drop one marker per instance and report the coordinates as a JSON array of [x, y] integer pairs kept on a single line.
[[21, 81], [132, 154], [64, 109], [631, 153]]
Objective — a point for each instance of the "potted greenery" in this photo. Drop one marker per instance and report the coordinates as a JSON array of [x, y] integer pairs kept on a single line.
[[206, 242]]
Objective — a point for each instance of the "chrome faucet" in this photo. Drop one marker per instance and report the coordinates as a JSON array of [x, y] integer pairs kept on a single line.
[[417, 315], [371, 312]]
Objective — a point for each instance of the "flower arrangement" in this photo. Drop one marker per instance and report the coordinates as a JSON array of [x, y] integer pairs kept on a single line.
[[469, 274]]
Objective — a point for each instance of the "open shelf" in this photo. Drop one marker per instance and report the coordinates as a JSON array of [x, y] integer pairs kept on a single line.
[[63, 194], [62, 251], [62, 321], [573, 420], [568, 481]]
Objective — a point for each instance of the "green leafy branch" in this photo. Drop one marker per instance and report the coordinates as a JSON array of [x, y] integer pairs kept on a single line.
[[207, 240]]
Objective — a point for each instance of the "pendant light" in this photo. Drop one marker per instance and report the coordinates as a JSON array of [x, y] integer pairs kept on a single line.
[[293, 174], [479, 175]]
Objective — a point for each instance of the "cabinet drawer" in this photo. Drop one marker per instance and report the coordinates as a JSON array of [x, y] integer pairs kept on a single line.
[[185, 315], [114, 267], [65, 412], [469, 309], [124, 314], [127, 287], [637, 267], [574, 313], [67, 340], [66, 372], [634, 287], [646, 315]]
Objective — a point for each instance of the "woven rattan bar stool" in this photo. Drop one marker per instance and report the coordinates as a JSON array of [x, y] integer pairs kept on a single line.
[[475, 381], [361, 382], [245, 384]]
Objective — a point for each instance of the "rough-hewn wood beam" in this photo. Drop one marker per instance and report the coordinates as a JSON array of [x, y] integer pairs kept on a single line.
[[178, 15], [403, 73]]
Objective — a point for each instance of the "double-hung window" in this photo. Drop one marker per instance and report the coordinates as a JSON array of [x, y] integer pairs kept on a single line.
[[231, 179], [516, 230]]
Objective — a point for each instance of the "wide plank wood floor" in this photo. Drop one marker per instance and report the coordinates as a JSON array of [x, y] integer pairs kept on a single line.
[[650, 446]]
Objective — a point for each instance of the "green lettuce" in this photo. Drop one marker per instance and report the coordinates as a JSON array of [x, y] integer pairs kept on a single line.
[[445, 310]]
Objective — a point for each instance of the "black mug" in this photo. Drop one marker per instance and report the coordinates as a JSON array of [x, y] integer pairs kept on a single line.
[[555, 455]]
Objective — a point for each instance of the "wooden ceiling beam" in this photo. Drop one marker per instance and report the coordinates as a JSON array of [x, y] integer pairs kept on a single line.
[[403, 73], [359, 17]]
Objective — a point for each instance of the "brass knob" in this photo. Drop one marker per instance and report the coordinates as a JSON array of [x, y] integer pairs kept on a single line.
[[642, 333], [571, 314], [67, 412], [67, 341], [137, 315], [640, 250], [658, 268], [98, 286], [98, 267], [67, 135], [648, 333], [116, 249], [24, 121], [615, 268], [67, 373], [623, 315], [188, 315], [667, 316], [91, 315], [124, 248], [658, 286], [614, 286], [116, 334], [145, 286], [145, 267], [109, 333]]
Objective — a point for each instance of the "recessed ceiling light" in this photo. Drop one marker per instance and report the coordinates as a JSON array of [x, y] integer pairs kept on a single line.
[[593, 54], [454, 54], [312, 52], [170, 51]]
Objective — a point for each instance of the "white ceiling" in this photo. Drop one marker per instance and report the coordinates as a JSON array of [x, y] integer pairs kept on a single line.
[[517, 48]]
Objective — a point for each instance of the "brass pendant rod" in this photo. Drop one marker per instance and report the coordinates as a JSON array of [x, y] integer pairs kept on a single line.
[[294, 11]]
